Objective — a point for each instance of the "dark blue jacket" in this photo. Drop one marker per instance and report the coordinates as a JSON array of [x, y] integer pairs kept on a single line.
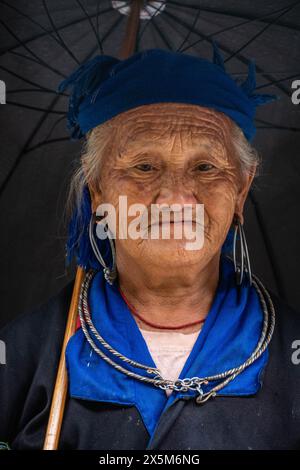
[[268, 420]]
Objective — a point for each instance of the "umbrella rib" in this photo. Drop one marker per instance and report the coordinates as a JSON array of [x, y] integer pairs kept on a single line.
[[268, 245], [223, 30], [150, 20], [35, 108], [40, 144], [59, 38], [53, 127], [278, 72], [97, 17], [47, 32], [250, 41], [270, 125], [162, 35], [280, 128], [105, 11], [42, 119], [286, 78], [34, 90], [25, 80], [40, 122], [40, 61], [228, 28], [177, 50], [91, 24], [192, 29], [19, 156], [113, 27], [36, 61], [26, 147], [46, 142], [260, 72], [240, 57], [47, 90], [247, 16], [274, 82]]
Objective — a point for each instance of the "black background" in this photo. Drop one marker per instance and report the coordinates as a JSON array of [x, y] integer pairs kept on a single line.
[[34, 176]]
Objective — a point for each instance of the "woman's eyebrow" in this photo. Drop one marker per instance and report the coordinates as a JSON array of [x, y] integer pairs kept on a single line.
[[208, 153], [204, 144], [143, 151], [205, 148]]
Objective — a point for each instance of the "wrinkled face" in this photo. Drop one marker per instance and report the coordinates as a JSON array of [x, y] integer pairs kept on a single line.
[[174, 154]]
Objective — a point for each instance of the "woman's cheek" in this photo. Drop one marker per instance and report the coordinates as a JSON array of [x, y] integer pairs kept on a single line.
[[219, 204]]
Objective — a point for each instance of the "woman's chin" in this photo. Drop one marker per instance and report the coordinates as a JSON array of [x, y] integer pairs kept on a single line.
[[174, 252]]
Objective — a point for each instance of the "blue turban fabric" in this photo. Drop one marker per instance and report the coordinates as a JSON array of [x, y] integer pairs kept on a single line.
[[106, 86]]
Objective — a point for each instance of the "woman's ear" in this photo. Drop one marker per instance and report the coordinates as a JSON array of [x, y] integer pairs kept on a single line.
[[96, 197], [243, 192], [94, 189]]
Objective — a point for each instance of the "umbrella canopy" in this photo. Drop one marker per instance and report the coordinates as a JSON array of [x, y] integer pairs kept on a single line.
[[43, 42]]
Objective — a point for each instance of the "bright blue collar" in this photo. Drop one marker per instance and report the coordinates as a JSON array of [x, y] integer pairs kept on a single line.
[[228, 337]]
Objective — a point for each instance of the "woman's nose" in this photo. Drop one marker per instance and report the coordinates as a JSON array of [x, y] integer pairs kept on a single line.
[[176, 194]]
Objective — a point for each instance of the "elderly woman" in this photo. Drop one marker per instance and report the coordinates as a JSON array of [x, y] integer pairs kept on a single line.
[[176, 344]]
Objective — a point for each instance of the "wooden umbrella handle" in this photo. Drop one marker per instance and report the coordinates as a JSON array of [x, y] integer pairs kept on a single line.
[[61, 384]]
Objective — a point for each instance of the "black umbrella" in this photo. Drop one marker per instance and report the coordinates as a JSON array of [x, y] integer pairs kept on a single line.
[[43, 41]]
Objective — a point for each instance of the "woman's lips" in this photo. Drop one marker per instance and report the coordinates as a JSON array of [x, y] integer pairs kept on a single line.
[[167, 222]]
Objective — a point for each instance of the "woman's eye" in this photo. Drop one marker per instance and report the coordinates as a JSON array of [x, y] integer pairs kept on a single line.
[[205, 167], [144, 167]]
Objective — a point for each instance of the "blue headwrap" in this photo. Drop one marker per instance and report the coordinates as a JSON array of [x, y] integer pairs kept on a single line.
[[106, 86]]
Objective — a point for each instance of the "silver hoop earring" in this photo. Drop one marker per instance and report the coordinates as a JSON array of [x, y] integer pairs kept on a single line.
[[110, 274], [244, 264]]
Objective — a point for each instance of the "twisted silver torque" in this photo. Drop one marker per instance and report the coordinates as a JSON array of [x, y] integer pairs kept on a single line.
[[180, 385]]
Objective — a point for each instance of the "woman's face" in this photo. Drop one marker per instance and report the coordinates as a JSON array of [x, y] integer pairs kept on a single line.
[[173, 154]]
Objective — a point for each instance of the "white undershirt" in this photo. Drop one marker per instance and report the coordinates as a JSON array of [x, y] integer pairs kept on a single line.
[[169, 351]]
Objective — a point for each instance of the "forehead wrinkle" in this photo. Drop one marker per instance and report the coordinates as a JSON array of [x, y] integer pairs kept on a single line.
[[170, 140], [171, 123], [183, 109], [176, 120], [148, 125]]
